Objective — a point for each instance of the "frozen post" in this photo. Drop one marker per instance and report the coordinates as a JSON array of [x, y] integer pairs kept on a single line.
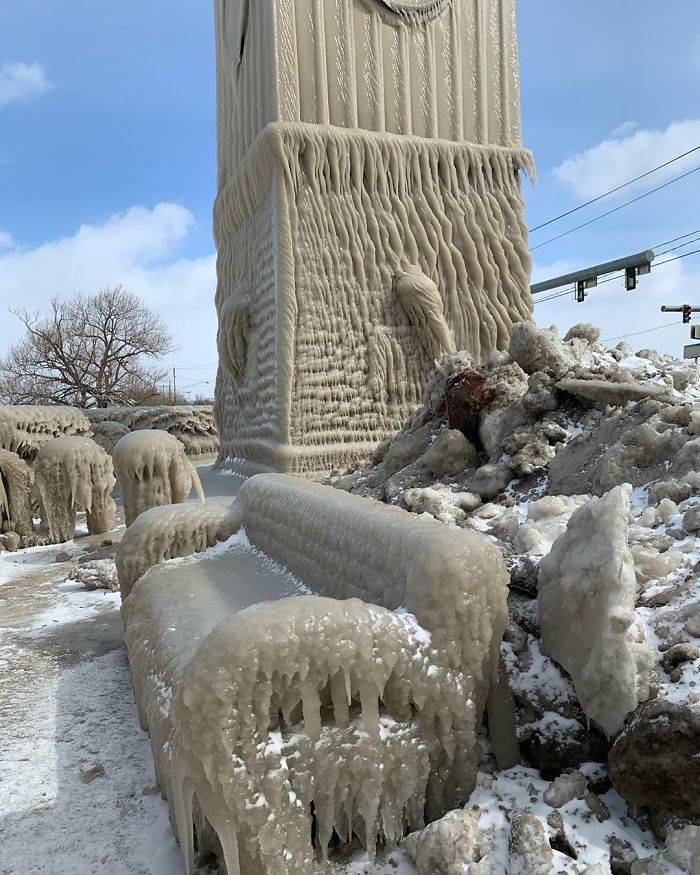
[[368, 218]]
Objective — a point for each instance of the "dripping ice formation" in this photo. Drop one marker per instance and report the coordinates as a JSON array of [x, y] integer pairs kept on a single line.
[[368, 216], [153, 469], [16, 482], [74, 473], [25, 427], [192, 425], [268, 688]]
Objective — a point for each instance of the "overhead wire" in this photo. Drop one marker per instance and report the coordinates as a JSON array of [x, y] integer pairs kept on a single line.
[[673, 239], [616, 189], [617, 208], [643, 331]]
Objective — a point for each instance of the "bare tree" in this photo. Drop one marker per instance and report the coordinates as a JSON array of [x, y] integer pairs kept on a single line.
[[89, 351]]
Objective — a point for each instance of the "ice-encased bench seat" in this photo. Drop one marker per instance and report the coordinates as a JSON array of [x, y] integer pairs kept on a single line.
[[341, 692]]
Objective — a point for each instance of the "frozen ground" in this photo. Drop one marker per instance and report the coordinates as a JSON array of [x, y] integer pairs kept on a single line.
[[77, 788]]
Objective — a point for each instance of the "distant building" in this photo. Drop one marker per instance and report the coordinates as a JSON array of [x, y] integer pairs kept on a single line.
[[368, 218]]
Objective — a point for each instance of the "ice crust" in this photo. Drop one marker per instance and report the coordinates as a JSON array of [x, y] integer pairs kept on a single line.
[[153, 469], [171, 531], [587, 592], [25, 427], [75, 473], [259, 705], [16, 481]]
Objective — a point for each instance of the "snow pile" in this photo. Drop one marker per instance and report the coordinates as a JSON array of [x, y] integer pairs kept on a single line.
[[602, 646]]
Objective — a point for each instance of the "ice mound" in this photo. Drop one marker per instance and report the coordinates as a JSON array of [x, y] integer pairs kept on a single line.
[[25, 427], [16, 482], [192, 425]]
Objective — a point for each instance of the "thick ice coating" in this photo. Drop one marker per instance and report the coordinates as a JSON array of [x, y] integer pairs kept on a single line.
[[452, 580], [360, 145], [25, 427], [153, 469], [75, 473], [16, 480], [193, 425], [295, 701], [586, 598], [170, 531], [309, 701]]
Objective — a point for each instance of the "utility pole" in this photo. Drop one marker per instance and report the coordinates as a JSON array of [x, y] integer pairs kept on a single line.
[[692, 350], [174, 387]]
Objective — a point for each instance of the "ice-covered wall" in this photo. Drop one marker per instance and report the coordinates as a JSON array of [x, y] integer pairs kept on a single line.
[[301, 698], [192, 424], [327, 199], [170, 531]]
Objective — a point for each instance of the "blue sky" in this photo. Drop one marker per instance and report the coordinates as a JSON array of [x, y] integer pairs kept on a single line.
[[107, 163]]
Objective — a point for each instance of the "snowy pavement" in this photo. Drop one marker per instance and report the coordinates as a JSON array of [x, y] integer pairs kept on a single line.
[[77, 789]]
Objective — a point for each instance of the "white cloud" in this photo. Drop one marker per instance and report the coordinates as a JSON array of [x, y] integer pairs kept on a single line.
[[6, 240], [618, 312], [628, 154], [137, 248], [624, 130], [542, 272], [20, 82]]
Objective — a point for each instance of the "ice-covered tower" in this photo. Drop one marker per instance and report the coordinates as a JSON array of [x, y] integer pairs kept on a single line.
[[368, 217]]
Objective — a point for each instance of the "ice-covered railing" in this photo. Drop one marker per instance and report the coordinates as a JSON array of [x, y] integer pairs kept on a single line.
[[193, 425], [24, 428], [169, 532], [277, 707]]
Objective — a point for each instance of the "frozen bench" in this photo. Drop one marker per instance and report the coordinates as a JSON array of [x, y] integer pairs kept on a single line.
[[325, 669]]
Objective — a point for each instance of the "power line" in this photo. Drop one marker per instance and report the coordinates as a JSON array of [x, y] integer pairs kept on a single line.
[[643, 331], [616, 209], [680, 246], [613, 190], [196, 367], [673, 239], [559, 295], [677, 257]]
